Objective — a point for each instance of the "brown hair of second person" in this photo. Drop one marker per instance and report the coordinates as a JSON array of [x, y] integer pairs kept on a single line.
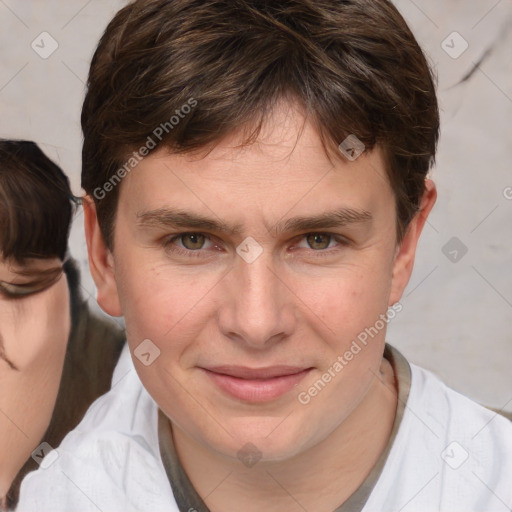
[[35, 203]]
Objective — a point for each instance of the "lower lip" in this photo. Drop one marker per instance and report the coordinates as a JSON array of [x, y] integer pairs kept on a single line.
[[256, 391]]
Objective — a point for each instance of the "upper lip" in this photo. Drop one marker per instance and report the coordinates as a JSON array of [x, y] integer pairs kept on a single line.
[[269, 372]]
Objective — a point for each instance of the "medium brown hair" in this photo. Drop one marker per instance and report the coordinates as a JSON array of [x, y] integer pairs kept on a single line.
[[35, 203], [352, 65]]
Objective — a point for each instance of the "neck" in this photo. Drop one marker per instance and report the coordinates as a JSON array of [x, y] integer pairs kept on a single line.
[[341, 462], [12, 452]]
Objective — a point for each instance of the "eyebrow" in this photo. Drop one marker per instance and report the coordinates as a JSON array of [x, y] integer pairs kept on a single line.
[[176, 218]]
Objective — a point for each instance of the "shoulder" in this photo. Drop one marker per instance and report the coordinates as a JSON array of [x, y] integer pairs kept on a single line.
[[455, 414], [110, 461], [475, 444], [450, 454]]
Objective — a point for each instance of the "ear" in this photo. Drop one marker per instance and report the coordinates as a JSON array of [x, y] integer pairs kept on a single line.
[[101, 261], [406, 251]]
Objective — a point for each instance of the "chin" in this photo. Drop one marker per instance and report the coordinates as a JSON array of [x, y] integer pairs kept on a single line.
[[267, 438]]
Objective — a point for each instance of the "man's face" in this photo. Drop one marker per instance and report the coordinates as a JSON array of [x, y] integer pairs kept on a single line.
[[284, 289], [34, 330]]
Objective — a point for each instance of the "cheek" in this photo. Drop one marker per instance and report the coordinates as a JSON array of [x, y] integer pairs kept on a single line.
[[348, 300], [35, 336], [158, 301], [35, 330]]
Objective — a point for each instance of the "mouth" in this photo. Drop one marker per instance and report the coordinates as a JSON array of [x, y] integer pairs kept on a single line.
[[256, 385]]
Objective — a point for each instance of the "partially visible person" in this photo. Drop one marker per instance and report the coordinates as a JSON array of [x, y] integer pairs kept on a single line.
[[55, 357]]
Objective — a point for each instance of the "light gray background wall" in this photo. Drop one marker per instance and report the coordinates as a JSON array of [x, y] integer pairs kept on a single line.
[[457, 316]]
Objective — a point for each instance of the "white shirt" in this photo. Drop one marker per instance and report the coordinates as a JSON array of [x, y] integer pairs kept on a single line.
[[450, 455]]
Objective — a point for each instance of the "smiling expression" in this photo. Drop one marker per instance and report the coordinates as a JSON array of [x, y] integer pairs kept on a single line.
[[240, 337]]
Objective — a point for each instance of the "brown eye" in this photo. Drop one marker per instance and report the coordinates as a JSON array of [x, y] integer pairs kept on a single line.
[[193, 241], [318, 241]]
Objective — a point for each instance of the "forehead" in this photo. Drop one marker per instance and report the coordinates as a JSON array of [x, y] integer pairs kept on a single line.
[[285, 169]]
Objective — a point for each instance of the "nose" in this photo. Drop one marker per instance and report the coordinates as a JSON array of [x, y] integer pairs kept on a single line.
[[256, 304]]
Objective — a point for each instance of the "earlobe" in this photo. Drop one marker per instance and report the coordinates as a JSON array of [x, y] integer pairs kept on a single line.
[[406, 251], [101, 261]]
